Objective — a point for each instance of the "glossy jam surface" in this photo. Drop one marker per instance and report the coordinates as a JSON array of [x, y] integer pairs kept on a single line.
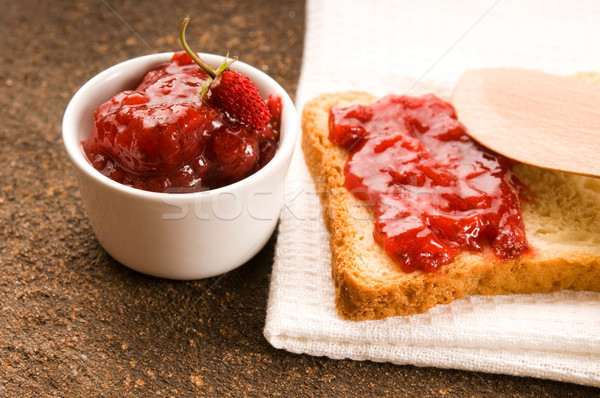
[[433, 191], [162, 137]]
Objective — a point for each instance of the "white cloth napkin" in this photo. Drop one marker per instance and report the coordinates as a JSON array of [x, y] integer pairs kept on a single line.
[[414, 47]]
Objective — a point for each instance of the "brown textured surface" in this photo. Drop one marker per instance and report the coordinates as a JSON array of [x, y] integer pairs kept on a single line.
[[73, 322]]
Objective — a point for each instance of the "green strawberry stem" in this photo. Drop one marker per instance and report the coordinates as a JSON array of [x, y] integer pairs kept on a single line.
[[206, 68], [213, 75]]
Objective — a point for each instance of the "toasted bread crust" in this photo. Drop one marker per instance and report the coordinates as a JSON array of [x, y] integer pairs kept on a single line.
[[369, 285]]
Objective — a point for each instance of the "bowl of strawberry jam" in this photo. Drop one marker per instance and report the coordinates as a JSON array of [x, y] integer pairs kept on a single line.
[[176, 184]]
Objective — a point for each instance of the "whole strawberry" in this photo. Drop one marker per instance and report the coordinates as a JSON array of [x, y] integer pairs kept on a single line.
[[230, 90], [240, 98]]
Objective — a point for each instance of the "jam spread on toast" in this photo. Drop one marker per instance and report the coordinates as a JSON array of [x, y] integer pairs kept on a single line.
[[433, 191]]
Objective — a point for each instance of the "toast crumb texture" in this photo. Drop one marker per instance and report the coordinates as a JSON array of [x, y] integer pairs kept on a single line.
[[562, 226]]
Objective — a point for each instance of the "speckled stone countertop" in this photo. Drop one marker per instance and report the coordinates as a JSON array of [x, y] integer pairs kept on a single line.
[[73, 322]]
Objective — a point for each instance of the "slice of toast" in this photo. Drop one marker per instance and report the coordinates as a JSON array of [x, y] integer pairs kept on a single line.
[[562, 226]]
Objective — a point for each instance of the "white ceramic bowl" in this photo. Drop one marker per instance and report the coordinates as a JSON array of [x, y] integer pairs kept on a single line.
[[169, 235]]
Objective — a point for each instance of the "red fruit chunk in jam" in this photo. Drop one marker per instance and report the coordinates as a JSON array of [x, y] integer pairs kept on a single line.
[[233, 153], [150, 139], [434, 192], [162, 137]]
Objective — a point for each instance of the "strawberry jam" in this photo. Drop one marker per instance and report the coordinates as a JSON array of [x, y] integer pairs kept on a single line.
[[163, 137], [433, 190]]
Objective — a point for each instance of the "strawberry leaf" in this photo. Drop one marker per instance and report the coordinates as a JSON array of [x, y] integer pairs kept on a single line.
[[226, 63], [205, 87]]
